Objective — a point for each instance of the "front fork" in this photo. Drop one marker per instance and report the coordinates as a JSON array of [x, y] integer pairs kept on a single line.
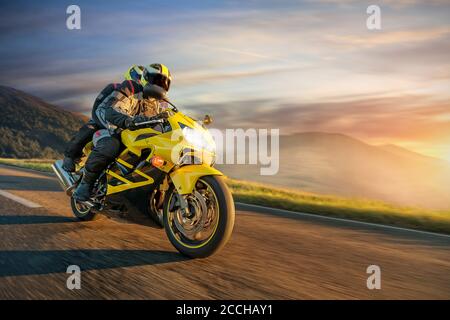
[[183, 205], [181, 202]]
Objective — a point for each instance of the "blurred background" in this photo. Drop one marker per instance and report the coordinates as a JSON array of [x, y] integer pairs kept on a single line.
[[362, 113]]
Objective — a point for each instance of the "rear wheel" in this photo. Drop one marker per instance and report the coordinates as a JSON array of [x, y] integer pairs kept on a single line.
[[208, 222], [82, 211]]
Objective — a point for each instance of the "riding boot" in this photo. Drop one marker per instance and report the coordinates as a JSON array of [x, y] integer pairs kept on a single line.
[[84, 190]]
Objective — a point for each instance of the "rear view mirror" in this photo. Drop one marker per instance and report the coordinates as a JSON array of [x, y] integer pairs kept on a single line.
[[155, 92], [207, 120]]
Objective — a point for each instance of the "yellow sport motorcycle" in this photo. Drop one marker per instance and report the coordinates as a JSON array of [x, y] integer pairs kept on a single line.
[[173, 158]]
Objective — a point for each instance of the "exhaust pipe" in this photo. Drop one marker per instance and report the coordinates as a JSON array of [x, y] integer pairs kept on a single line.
[[66, 180]]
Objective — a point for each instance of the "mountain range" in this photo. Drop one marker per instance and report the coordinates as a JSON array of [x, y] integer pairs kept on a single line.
[[333, 163], [328, 163]]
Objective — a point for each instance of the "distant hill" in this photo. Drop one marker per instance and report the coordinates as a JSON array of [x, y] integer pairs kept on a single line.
[[33, 128], [332, 163], [403, 152], [327, 163]]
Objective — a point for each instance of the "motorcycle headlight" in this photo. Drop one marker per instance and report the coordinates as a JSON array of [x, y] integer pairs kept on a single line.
[[198, 139]]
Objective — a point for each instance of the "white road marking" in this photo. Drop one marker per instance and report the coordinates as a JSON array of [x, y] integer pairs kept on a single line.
[[22, 201], [316, 216]]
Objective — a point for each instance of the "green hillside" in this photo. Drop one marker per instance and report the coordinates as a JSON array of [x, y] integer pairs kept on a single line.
[[32, 128]]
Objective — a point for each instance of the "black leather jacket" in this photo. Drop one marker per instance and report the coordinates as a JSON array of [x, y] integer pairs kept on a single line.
[[118, 102]]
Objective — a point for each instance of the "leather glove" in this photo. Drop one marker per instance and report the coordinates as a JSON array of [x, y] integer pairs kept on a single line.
[[130, 123]]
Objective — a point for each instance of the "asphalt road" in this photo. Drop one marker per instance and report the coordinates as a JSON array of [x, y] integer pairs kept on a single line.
[[270, 256]]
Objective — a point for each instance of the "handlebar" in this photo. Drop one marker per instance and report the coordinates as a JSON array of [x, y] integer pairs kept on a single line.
[[149, 122]]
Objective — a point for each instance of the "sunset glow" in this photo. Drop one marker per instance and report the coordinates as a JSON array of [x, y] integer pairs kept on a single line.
[[297, 66]]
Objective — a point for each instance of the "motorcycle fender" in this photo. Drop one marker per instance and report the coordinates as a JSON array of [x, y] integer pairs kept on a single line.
[[184, 178]]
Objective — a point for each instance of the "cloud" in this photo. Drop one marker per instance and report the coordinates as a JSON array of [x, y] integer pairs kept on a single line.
[[390, 37], [396, 118], [293, 65], [392, 3], [243, 53], [17, 20], [195, 77]]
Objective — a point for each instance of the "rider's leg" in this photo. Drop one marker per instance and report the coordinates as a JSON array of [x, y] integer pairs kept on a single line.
[[75, 147], [103, 153]]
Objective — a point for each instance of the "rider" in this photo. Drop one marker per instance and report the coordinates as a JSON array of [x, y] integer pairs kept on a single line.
[[75, 147], [120, 109]]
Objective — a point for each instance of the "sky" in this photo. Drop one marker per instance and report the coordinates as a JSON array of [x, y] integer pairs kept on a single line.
[[294, 65]]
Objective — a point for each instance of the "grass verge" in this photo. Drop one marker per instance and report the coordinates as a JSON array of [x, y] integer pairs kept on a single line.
[[290, 199], [35, 164], [349, 208]]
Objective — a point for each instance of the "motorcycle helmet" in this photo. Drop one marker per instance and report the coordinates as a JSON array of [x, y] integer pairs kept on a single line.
[[156, 74], [134, 73]]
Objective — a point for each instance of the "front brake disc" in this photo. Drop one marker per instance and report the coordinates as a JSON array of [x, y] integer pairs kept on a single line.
[[191, 226]]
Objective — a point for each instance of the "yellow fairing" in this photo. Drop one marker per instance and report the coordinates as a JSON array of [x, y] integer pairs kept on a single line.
[[184, 178], [127, 184], [161, 144]]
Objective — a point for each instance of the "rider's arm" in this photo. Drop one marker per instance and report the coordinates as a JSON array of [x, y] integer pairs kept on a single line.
[[117, 109]]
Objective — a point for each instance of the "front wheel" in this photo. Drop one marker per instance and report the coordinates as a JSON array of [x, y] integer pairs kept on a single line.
[[205, 227]]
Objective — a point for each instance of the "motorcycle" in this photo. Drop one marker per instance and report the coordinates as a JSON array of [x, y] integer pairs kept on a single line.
[[173, 157]]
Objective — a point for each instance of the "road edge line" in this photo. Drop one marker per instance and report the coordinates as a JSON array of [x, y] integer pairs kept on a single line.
[[273, 210], [317, 216]]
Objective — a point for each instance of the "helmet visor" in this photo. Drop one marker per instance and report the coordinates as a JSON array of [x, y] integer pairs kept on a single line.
[[134, 75], [157, 79]]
